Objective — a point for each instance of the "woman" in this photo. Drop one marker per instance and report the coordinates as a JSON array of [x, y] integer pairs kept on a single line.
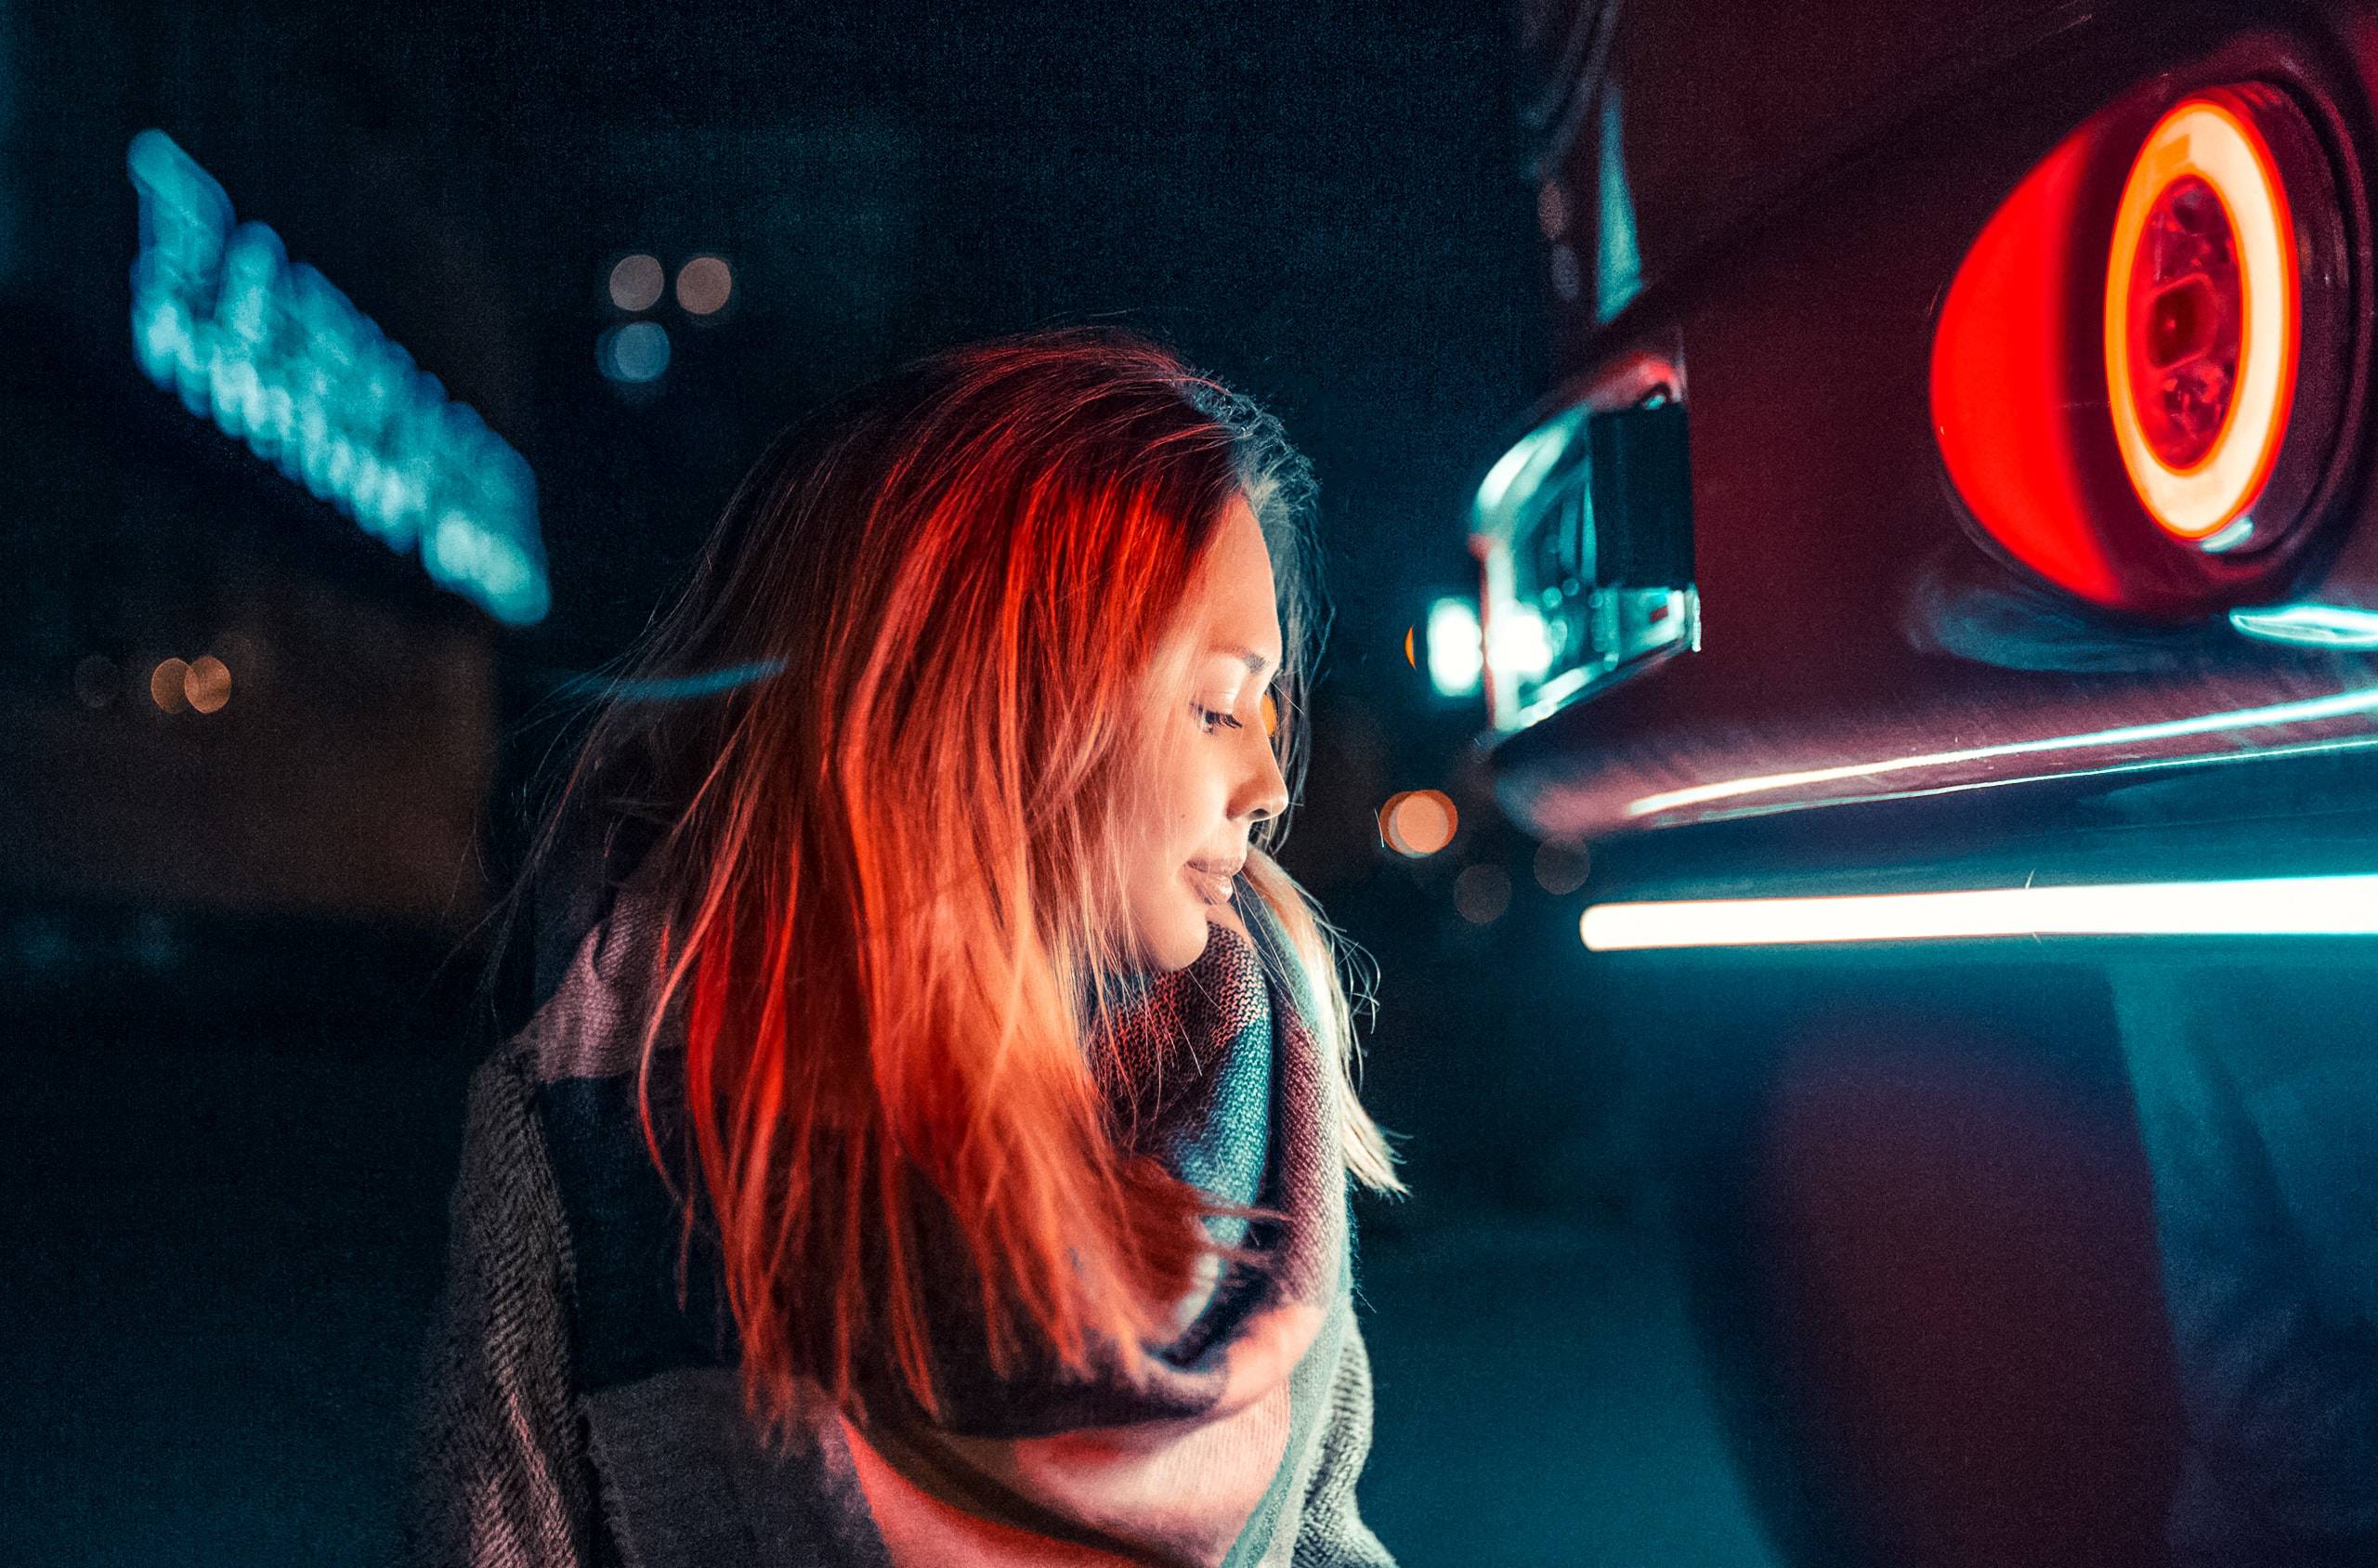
[[937, 1150]]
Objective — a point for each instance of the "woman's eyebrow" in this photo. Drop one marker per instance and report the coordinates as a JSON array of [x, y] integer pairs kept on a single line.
[[1255, 662]]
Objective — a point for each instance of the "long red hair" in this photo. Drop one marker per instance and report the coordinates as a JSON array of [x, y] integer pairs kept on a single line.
[[892, 855]]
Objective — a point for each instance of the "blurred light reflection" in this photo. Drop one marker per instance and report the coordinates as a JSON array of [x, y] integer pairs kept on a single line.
[[1418, 822], [636, 282], [1481, 892], [635, 353], [703, 285], [167, 685], [206, 684], [281, 358], [96, 681]]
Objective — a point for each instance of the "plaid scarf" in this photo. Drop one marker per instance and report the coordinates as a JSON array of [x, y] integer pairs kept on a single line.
[[622, 1441]]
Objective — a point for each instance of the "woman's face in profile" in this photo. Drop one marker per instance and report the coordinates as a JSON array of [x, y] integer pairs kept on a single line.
[[1191, 834]]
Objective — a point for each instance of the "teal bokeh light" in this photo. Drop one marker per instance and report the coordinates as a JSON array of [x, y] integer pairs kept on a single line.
[[635, 353], [278, 357]]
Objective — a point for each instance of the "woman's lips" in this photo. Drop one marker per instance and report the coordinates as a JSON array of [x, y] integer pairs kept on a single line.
[[1209, 886]]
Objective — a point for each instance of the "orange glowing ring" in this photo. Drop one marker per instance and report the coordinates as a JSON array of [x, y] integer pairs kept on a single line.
[[2207, 139]]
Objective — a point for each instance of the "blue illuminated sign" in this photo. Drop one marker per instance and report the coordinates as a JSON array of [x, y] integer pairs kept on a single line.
[[281, 358]]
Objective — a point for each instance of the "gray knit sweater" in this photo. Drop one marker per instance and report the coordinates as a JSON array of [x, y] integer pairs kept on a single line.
[[571, 1414]]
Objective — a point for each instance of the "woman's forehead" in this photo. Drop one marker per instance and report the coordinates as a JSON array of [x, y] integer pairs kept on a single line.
[[1241, 611]]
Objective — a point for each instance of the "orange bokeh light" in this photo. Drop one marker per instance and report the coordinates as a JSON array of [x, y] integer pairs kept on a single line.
[[207, 684], [167, 685], [703, 284], [1418, 822]]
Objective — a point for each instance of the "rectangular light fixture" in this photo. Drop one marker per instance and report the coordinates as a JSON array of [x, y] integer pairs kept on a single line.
[[2326, 905]]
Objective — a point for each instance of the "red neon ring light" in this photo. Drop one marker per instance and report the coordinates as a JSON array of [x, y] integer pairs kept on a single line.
[[2202, 320]]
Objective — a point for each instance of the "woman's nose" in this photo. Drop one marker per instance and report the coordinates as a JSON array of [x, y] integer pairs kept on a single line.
[[1265, 794]]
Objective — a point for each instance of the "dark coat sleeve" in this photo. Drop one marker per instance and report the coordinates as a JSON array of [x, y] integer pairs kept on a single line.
[[499, 1475]]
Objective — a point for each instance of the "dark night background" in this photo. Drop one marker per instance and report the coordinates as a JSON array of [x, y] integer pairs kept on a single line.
[[238, 946]]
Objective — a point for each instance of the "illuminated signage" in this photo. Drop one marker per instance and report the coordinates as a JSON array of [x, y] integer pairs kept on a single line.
[[276, 355]]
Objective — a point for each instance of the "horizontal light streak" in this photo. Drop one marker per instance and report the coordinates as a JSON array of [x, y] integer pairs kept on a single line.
[[2343, 704], [669, 689], [2322, 905]]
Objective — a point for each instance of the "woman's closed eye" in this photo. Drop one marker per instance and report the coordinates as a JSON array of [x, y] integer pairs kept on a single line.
[[1208, 717]]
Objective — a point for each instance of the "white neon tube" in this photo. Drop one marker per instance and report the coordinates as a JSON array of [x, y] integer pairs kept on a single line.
[[2335, 906]]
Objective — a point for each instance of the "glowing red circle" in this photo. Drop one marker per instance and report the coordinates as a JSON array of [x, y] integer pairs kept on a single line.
[[2201, 320]]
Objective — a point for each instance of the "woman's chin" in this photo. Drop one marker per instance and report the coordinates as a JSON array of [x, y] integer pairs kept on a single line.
[[1187, 943], [1177, 947]]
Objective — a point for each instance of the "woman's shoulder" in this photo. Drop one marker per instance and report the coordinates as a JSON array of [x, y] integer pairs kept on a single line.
[[592, 1025]]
